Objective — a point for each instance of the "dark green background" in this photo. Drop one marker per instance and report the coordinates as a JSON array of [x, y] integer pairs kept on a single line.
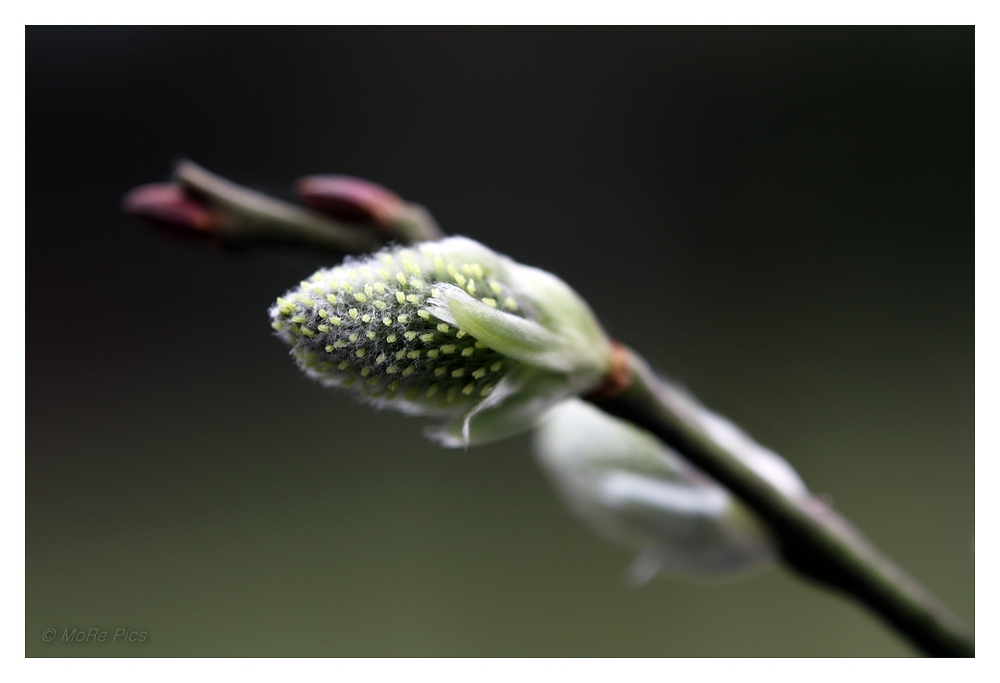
[[782, 219]]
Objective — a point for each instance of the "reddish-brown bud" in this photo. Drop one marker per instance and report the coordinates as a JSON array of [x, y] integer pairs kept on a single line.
[[350, 199], [168, 205]]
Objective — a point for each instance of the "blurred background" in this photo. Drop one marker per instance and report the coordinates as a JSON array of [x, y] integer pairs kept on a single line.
[[781, 219]]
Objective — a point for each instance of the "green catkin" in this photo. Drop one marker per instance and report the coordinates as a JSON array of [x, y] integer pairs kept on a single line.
[[361, 314]]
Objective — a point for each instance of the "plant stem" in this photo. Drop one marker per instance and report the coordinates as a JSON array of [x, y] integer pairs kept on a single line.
[[255, 217], [813, 537]]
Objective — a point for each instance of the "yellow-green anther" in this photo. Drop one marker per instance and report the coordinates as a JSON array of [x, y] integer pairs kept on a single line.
[[322, 313], [391, 338], [424, 314], [380, 305], [353, 312], [370, 335], [443, 327], [427, 338], [323, 328], [387, 322], [400, 298], [366, 318], [448, 348], [468, 351]]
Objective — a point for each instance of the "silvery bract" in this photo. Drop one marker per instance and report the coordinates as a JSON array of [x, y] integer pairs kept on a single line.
[[447, 329], [632, 489]]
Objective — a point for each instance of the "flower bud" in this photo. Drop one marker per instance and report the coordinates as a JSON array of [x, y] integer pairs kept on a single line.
[[632, 489], [169, 206], [448, 329], [350, 199], [363, 202]]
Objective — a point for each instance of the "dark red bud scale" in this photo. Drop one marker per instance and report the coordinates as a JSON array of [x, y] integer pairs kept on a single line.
[[350, 199], [168, 205]]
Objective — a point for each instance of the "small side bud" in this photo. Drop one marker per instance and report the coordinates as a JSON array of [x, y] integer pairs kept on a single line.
[[168, 205], [355, 200], [350, 199], [632, 489]]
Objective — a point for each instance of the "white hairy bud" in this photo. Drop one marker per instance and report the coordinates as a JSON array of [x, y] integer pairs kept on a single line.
[[632, 489], [447, 329]]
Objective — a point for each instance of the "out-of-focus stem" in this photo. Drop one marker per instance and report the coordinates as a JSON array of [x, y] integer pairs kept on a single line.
[[249, 216]]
